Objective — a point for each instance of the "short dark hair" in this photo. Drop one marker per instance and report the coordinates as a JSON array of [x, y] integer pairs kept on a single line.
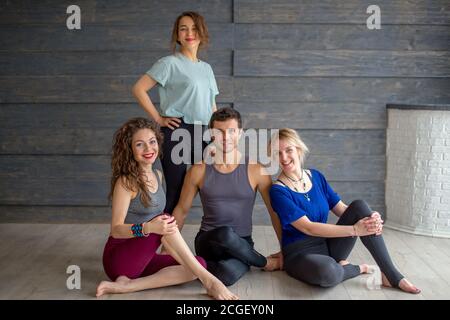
[[224, 114]]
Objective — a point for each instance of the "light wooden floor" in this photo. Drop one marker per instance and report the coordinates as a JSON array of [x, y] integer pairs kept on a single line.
[[34, 259]]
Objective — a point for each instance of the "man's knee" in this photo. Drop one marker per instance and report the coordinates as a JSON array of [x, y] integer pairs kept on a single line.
[[230, 279], [226, 272]]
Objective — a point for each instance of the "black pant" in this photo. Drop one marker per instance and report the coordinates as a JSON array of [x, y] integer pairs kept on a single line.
[[174, 173], [227, 255], [315, 260]]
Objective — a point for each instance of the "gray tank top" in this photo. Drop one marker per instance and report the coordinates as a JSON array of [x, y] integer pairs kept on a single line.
[[228, 200], [137, 213]]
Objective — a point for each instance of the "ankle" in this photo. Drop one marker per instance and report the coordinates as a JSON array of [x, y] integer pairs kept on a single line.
[[206, 280]]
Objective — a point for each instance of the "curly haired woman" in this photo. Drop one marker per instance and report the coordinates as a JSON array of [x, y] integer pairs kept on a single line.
[[139, 224]]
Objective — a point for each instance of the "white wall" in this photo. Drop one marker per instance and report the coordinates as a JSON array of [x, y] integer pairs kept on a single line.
[[418, 171]]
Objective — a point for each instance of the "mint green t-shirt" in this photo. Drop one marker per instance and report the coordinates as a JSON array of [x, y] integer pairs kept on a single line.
[[187, 89]]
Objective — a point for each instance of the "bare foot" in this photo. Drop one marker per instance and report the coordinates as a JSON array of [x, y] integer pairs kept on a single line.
[[118, 286], [272, 264], [403, 285], [216, 289], [407, 286], [364, 268]]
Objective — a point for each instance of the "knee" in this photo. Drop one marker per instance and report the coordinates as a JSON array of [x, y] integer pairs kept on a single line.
[[230, 277], [361, 208], [167, 237], [226, 272], [129, 274], [229, 280], [114, 270], [330, 275]]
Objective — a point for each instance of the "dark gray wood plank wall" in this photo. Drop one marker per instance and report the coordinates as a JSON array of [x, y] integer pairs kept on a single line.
[[316, 67], [313, 66]]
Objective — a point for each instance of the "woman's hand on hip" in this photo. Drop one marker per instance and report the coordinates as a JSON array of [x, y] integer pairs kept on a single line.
[[170, 122]]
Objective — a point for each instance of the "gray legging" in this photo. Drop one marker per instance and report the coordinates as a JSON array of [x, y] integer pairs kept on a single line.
[[315, 260]]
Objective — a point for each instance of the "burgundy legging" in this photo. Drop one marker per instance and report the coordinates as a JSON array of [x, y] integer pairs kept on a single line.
[[136, 257]]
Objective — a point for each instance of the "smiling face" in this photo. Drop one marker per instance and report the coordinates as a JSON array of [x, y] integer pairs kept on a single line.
[[145, 147], [289, 156], [187, 33], [226, 135]]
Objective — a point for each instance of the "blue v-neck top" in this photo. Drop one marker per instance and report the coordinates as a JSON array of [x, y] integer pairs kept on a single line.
[[291, 205]]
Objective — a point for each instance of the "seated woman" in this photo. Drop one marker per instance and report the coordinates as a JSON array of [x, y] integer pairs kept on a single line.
[[139, 225], [315, 252]]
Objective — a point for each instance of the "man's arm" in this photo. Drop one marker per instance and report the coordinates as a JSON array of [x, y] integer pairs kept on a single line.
[[188, 192], [263, 186]]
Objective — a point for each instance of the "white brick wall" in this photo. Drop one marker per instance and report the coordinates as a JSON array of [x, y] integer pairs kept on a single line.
[[418, 171]]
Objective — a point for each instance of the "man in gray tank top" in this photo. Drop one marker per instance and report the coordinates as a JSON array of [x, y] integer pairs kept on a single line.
[[227, 190]]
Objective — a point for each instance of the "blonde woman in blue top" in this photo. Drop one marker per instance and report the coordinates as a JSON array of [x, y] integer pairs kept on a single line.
[[187, 90], [315, 251]]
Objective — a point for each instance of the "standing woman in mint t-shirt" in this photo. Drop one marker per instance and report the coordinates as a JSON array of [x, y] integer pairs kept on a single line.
[[187, 90]]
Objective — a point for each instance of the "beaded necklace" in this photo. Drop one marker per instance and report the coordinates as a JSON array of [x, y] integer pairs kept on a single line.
[[294, 182]]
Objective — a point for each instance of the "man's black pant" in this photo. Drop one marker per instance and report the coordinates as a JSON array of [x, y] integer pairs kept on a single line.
[[228, 255]]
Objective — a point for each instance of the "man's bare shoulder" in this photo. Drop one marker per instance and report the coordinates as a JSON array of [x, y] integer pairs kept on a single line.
[[256, 169], [197, 171]]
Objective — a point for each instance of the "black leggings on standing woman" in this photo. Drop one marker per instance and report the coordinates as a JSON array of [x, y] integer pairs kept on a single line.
[[315, 260], [174, 172]]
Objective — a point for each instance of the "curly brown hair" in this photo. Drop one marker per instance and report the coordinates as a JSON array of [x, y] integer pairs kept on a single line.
[[123, 163], [200, 24]]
